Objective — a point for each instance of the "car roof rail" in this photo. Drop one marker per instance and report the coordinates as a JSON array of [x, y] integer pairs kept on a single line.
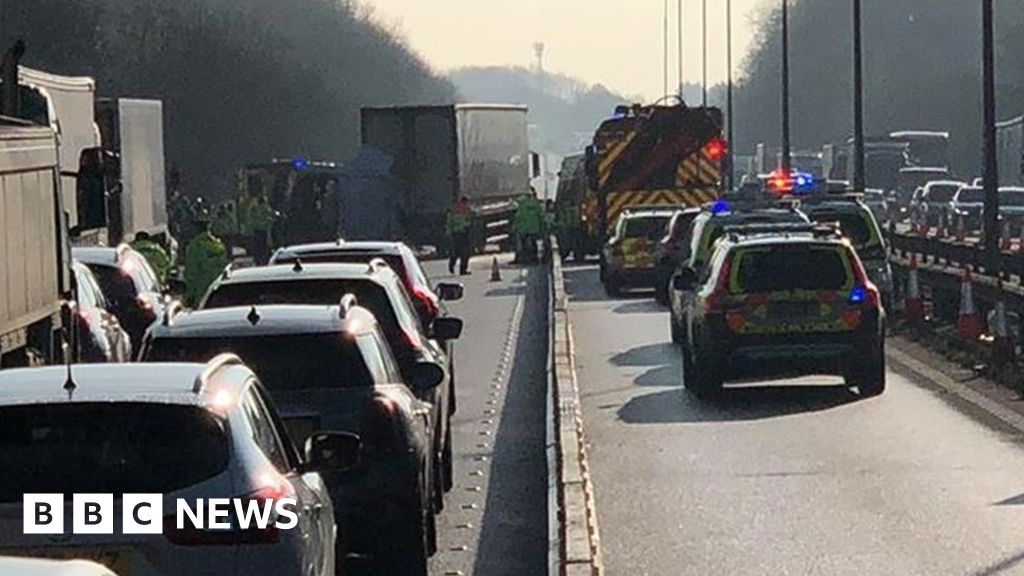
[[217, 363], [226, 272], [348, 302], [376, 264], [297, 265]]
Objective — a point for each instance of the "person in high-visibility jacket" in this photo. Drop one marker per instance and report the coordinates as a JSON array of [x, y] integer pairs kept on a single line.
[[528, 224], [225, 225], [458, 225], [205, 259], [155, 254], [261, 219]]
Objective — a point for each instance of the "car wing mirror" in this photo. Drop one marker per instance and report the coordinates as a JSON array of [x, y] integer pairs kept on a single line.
[[447, 328], [426, 376], [450, 291], [333, 451]]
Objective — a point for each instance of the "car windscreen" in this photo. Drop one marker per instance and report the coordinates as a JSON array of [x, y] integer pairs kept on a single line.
[[942, 193], [119, 448], [282, 362], [117, 285], [650, 227], [785, 268], [1013, 198], [855, 225], [971, 196]]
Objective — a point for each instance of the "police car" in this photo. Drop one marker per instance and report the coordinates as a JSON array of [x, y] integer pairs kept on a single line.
[[783, 301], [630, 255]]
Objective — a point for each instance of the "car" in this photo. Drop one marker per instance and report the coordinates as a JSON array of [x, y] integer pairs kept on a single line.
[[330, 368], [628, 258], [875, 199], [783, 304], [671, 250], [428, 299], [858, 223], [129, 286], [98, 334], [708, 227], [1011, 209], [186, 431], [380, 290], [13, 566], [966, 210], [931, 206]]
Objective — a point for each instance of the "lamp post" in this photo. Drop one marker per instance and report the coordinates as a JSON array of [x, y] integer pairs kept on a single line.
[[704, 51], [785, 166], [730, 171], [991, 171], [858, 100]]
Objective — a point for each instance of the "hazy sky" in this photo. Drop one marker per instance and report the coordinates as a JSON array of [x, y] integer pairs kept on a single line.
[[612, 42]]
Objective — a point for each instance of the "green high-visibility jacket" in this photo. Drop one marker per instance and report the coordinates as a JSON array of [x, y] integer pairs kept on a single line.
[[157, 257], [205, 259], [529, 218], [460, 220]]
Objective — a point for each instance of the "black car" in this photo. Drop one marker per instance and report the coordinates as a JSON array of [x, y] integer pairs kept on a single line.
[[381, 291], [329, 368], [99, 337], [129, 284], [672, 250], [783, 304]]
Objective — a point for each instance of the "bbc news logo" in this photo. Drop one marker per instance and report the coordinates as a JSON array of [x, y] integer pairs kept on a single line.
[[144, 514]]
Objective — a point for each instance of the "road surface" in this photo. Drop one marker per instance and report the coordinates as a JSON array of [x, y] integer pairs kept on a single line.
[[785, 478], [495, 520]]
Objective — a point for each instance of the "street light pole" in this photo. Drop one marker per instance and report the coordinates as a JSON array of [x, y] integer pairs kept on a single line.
[[704, 50], [991, 172], [679, 15], [858, 100], [664, 32], [786, 166], [730, 171]]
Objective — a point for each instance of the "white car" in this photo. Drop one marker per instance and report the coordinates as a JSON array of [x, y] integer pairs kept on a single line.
[[40, 567], [184, 431]]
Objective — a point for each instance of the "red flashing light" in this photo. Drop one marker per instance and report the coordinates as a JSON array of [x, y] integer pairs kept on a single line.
[[716, 149]]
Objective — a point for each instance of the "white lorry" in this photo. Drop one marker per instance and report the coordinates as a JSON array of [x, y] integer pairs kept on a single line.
[[34, 252]]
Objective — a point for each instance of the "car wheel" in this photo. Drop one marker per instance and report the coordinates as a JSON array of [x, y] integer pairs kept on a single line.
[[612, 287], [870, 378], [676, 330], [661, 293], [407, 552], [705, 382], [448, 462]]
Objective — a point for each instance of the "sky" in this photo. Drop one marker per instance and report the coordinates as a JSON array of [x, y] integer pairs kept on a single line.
[[611, 42]]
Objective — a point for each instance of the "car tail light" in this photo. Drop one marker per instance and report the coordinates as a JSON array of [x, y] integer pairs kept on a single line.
[[380, 423], [273, 488], [426, 299], [864, 292]]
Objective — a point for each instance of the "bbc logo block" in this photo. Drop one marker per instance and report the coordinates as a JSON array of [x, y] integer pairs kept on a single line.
[[92, 514]]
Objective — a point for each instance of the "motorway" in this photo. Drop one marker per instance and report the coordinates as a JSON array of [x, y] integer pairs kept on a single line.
[[495, 520], [797, 477]]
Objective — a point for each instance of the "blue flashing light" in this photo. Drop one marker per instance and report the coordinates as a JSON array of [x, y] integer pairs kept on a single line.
[[299, 163], [858, 295], [720, 207]]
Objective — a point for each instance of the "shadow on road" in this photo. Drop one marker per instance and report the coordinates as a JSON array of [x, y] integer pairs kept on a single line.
[[645, 306], [734, 404], [505, 292], [1002, 567], [647, 355]]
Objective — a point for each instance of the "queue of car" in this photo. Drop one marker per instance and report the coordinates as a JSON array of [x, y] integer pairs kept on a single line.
[[768, 285], [326, 376]]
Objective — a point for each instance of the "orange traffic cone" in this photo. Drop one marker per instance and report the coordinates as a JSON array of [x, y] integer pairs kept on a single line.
[[968, 323], [495, 270], [913, 306]]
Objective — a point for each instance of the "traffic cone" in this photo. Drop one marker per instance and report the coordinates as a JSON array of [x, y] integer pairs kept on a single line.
[[495, 270], [961, 232], [913, 306], [1005, 242], [1003, 347], [968, 323]]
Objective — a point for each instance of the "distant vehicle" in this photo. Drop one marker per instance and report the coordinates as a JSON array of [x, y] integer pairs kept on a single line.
[[1011, 208], [883, 159], [35, 263], [857, 223], [186, 431], [129, 285], [380, 290], [671, 251], [777, 305], [629, 255], [12, 566], [440, 153], [925, 148], [330, 368], [967, 207], [1010, 152], [769, 159], [931, 206], [99, 337], [875, 199], [632, 163], [705, 230], [573, 226], [978, 182]]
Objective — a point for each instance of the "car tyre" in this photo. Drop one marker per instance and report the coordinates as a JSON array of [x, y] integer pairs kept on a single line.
[[448, 462], [706, 382], [870, 379], [612, 287], [677, 333], [407, 553]]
